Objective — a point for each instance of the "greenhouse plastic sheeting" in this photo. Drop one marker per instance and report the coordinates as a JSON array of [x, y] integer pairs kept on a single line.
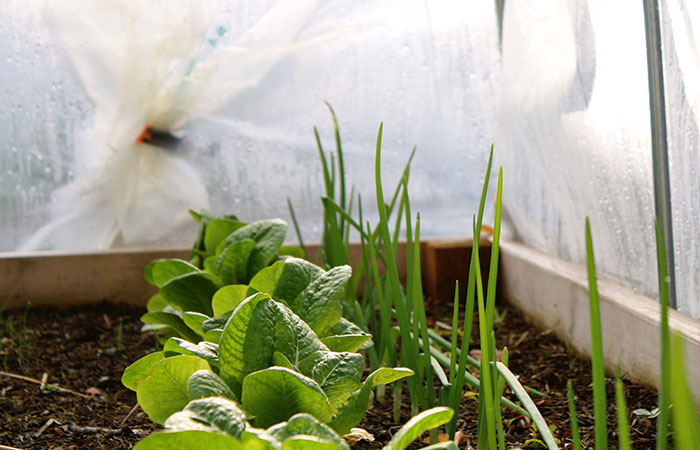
[[574, 133], [233, 88], [681, 43]]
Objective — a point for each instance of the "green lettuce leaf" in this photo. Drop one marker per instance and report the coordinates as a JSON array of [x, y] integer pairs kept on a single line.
[[275, 394], [139, 369], [351, 412], [164, 390], [160, 271], [216, 414], [191, 292], [188, 440], [205, 383], [232, 264]]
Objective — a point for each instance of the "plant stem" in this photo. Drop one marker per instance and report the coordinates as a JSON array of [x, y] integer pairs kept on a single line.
[[623, 430], [575, 434], [599, 396]]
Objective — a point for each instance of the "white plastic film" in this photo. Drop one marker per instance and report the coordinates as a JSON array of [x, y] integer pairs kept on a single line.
[[149, 67], [681, 50], [574, 133], [237, 86]]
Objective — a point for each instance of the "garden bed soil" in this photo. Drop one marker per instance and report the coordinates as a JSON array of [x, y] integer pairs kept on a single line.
[[82, 351]]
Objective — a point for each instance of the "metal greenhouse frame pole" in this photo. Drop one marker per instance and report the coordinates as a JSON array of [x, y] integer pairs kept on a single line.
[[659, 141]]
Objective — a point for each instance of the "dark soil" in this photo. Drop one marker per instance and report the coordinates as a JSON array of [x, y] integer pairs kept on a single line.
[[80, 349]]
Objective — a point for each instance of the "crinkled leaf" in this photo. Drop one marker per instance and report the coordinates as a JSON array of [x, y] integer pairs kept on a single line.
[[347, 342], [386, 375], [185, 421], [191, 292], [285, 280], [274, 327], [338, 374], [188, 440], [160, 271], [345, 336], [319, 304], [275, 394], [268, 234], [351, 412], [208, 351], [232, 264], [344, 326], [173, 321], [232, 341], [220, 414], [205, 383], [139, 369], [306, 424], [164, 390], [228, 298]]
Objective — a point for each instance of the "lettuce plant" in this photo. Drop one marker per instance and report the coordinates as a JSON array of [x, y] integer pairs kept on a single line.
[[216, 234], [218, 422], [226, 336], [227, 251], [269, 360], [230, 261]]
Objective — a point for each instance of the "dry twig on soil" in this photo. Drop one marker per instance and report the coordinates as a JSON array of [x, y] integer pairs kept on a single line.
[[42, 383]]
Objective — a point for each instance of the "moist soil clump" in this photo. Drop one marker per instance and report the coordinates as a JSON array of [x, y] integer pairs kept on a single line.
[[81, 353]]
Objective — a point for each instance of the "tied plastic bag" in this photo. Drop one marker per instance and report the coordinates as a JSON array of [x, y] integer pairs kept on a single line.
[[151, 70]]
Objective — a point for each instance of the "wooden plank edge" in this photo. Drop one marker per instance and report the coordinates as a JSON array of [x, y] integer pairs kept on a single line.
[[553, 294], [61, 279]]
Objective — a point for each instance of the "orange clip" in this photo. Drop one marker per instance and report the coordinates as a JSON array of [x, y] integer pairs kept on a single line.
[[145, 134]]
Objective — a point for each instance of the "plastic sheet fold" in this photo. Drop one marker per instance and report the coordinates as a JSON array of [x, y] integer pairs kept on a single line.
[[151, 68]]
